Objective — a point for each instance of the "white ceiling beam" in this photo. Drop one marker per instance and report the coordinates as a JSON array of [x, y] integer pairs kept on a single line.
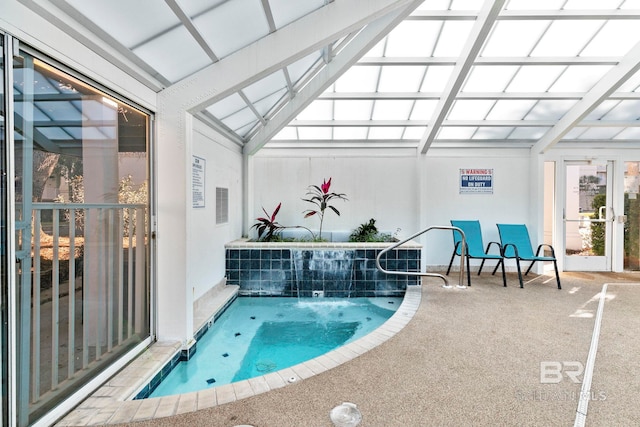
[[308, 34], [607, 85], [411, 96], [511, 60], [460, 123], [478, 35], [510, 15], [191, 28], [362, 43]]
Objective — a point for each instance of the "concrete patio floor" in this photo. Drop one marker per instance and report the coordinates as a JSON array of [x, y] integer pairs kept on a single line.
[[481, 356]]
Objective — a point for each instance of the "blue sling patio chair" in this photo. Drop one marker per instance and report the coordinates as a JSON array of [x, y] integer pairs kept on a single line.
[[517, 245], [475, 247]]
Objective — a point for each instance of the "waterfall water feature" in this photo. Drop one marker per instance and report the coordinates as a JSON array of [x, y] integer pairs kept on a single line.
[[329, 271]]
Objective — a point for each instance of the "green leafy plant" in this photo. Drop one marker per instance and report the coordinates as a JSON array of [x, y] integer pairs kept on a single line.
[[320, 197], [268, 226], [366, 232]]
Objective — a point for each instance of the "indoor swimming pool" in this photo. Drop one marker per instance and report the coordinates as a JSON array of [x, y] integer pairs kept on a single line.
[[256, 336]]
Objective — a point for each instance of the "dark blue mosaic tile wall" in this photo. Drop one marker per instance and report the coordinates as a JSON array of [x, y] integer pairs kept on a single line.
[[336, 272]]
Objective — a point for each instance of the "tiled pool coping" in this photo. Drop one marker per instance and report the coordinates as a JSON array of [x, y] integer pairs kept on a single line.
[[112, 404]]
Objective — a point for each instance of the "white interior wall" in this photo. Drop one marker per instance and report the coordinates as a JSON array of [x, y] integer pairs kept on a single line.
[[383, 188], [206, 239], [509, 202], [388, 189]]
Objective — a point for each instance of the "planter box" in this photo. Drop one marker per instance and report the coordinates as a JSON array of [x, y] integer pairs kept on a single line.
[[320, 269]]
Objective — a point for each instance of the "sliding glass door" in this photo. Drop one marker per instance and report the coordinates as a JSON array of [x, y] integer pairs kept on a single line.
[[4, 265], [81, 232]]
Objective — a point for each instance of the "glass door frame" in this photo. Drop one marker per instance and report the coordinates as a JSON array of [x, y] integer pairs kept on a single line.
[[615, 208]]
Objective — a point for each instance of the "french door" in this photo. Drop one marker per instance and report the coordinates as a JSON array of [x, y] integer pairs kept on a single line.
[[588, 215]]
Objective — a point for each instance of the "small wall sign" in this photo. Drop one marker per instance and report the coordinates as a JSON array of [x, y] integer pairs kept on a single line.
[[476, 181], [198, 168]]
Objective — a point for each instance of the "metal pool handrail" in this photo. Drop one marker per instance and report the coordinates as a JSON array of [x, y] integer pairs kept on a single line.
[[463, 250]]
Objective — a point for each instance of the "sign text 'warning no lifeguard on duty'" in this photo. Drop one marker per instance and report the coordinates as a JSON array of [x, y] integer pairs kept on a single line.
[[477, 181]]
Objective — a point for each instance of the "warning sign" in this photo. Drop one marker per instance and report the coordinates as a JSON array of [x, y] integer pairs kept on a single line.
[[477, 181]]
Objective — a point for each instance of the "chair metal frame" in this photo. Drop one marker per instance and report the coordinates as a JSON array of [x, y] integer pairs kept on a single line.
[[522, 249], [475, 245]]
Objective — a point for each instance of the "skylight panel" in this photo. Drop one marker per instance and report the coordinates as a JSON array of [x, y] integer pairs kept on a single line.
[[186, 55], [353, 109], [470, 109], [314, 133], [601, 132], [452, 38], [265, 105], [591, 4], [550, 109], [466, 4], [456, 132], [233, 25], [603, 108], [579, 78], [414, 132], [301, 67], [378, 50], [625, 110], [227, 106], [534, 4], [566, 38], [287, 133], [513, 38], [629, 133], [510, 109], [398, 78], [535, 78], [196, 7], [351, 133], [134, 26], [434, 5], [574, 133], [423, 109], [528, 132], [239, 119], [385, 132], [265, 87], [245, 130], [616, 38], [391, 110], [630, 4], [285, 11], [489, 78], [317, 110], [632, 84], [492, 132], [413, 39], [358, 79], [436, 78]]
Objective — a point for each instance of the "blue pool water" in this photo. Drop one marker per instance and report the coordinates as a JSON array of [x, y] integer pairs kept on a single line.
[[256, 336]]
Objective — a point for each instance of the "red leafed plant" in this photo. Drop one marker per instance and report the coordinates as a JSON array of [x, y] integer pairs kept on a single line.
[[268, 226], [320, 197]]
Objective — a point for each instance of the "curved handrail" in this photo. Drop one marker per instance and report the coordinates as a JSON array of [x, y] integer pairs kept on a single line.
[[463, 251]]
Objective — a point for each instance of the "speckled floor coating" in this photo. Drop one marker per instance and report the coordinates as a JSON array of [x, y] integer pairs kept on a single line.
[[466, 357]]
